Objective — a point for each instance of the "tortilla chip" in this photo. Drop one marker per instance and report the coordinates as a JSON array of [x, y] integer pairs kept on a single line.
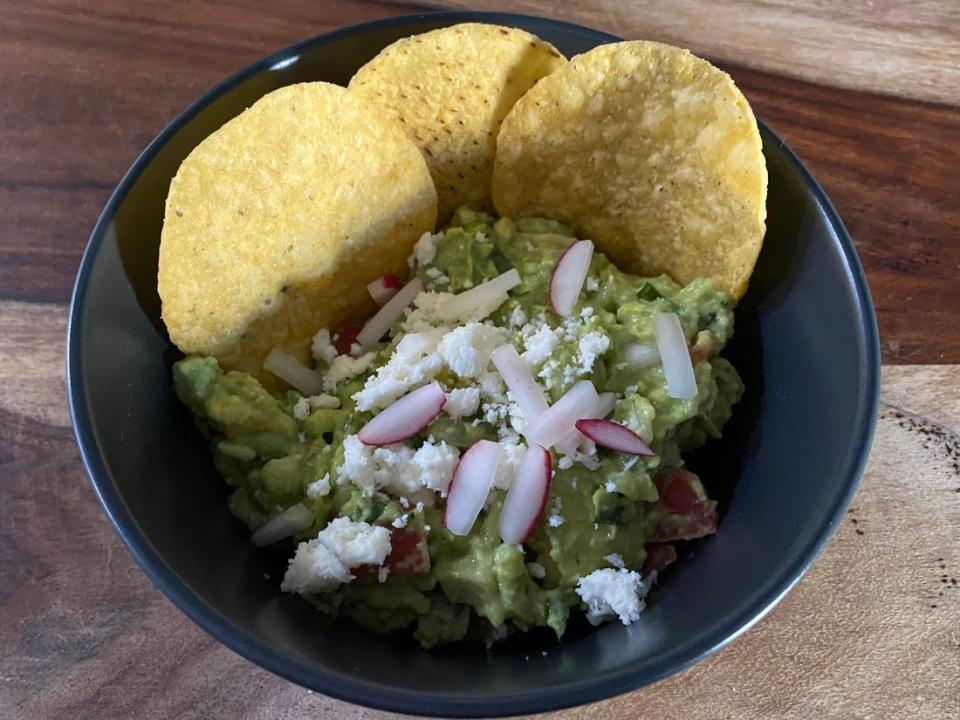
[[649, 151], [276, 222], [450, 89]]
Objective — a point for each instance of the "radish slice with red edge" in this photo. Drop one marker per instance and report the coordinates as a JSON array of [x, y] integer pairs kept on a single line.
[[383, 288], [675, 356], [603, 407], [295, 373], [521, 383], [615, 436], [568, 276], [405, 417], [379, 324], [291, 521], [470, 486], [527, 495], [483, 299], [557, 423]]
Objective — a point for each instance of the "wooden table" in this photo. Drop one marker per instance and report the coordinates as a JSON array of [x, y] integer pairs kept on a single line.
[[867, 95]]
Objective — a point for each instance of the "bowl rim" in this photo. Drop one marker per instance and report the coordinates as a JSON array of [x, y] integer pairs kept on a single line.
[[388, 698]]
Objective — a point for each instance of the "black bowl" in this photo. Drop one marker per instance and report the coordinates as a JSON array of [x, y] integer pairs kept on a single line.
[[806, 345]]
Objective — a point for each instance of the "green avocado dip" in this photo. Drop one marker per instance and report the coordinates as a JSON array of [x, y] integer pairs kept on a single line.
[[367, 520]]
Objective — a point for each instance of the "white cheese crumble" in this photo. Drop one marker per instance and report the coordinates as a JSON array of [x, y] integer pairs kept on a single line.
[[615, 560], [345, 367], [539, 342], [610, 487], [398, 469], [301, 409], [565, 462], [536, 570], [382, 573], [401, 522], [397, 377], [510, 456], [323, 401], [319, 488], [591, 346], [592, 284], [555, 521], [424, 251], [322, 347], [466, 350], [462, 402], [610, 593], [323, 564]]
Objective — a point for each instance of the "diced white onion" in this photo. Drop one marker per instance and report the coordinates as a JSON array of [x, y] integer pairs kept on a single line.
[[289, 522], [557, 422], [640, 355], [675, 355], [488, 296], [379, 324], [571, 270], [296, 374]]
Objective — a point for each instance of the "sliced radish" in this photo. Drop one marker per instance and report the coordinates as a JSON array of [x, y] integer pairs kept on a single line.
[[416, 344], [345, 335], [568, 276], [615, 436], [289, 522], [384, 288], [605, 404], [470, 486], [296, 374], [484, 298], [527, 495], [405, 417], [557, 423], [675, 356], [639, 355], [521, 383], [379, 324]]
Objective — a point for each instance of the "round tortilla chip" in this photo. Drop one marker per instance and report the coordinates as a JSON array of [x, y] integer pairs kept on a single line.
[[651, 152], [450, 89], [276, 222]]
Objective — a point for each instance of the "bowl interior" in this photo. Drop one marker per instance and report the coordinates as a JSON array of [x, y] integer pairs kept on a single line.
[[805, 344]]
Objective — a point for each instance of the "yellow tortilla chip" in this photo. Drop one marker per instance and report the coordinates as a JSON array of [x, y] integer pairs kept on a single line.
[[450, 89], [275, 223], [651, 152]]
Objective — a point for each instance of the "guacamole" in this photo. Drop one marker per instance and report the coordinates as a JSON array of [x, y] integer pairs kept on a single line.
[[374, 546]]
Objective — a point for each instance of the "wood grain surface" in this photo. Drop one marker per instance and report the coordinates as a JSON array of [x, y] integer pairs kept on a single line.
[[867, 93]]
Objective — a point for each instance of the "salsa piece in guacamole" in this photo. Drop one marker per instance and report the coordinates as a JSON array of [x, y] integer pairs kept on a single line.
[[374, 546]]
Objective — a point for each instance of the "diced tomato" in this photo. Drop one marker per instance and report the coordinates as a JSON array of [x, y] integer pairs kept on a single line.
[[659, 555], [345, 335], [688, 512], [408, 554]]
